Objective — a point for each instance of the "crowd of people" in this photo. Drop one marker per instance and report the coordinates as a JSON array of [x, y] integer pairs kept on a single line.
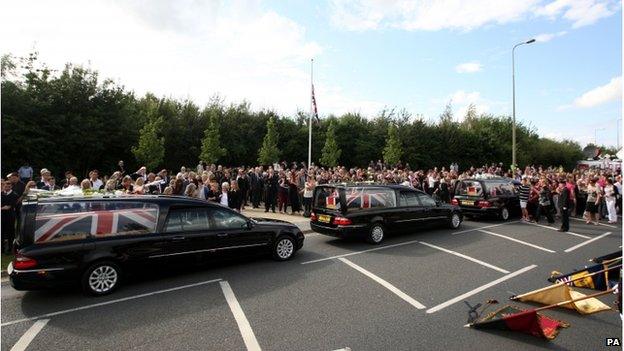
[[288, 187]]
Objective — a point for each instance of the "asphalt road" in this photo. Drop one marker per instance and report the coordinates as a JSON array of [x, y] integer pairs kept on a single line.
[[404, 295]]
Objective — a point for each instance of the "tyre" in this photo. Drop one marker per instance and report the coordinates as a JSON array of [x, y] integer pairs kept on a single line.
[[284, 248], [504, 213], [455, 220], [376, 234], [101, 278]]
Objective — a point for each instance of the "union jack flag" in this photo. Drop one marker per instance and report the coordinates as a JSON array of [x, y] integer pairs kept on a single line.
[[363, 199], [51, 227]]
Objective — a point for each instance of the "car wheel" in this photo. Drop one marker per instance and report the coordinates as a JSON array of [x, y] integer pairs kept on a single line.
[[455, 220], [284, 248], [504, 213], [376, 234], [101, 278]]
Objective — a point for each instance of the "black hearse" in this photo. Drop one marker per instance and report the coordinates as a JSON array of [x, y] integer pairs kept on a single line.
[[94, 240], [494, 197], [370, 211]]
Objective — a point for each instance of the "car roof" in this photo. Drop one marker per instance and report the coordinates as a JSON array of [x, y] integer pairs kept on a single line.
[[390, 186], [130, 198]]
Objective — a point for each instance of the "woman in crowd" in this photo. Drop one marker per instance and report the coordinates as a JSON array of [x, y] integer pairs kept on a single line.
[[593, 199], [191, 190], [293, 194], [85, 184], [282, 193], [523, 192], [178, 187], [610, 197], [308, 191], [139, 188], [544, 202], [235, 200]]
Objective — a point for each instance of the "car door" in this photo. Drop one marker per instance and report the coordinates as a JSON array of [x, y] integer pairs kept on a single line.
[[234, 231], [187, 232], [413, 213], [433, 214]]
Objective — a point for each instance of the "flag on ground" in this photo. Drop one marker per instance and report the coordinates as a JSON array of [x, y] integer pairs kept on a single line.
[[608, 257], [561, 292], [524, 321], [583, 278]]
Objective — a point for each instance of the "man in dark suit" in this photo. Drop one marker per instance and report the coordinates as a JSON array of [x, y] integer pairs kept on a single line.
[[254, 184], [565, 204], [9, 206], [270, 185], [243, 186]]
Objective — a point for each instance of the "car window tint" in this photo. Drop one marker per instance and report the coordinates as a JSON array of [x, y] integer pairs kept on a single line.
[[75, 220], [426, 200], [327, 197], [187, 219], [363, 198], [470, 188], [224, 219], [409, 198]]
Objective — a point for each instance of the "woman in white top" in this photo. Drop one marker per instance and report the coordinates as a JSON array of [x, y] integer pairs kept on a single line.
[[223, 199], [609, 193], [308, 191]]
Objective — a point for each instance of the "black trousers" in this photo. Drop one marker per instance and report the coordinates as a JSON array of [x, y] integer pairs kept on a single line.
[[307, 203], [271, 199], [565, 219], [256, 196], [545, 210], [8, 230]]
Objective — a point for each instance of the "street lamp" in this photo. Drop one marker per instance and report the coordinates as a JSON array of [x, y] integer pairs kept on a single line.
[[513, 84]]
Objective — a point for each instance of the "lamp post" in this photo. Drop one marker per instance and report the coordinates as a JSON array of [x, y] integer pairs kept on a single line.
[[513, 89]]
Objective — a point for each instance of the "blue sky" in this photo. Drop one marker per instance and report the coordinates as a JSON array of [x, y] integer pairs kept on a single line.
[[368, 54]]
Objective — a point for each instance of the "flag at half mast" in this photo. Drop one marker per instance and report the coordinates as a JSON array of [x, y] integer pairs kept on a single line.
[[313, 107]]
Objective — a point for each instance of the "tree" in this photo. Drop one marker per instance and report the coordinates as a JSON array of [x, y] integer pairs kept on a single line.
[[393, 150], [269, 153], [211, 150], [151, 149], [331, 151]]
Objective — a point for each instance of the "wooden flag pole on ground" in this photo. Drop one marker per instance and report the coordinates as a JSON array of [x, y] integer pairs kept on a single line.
[[516, 297]]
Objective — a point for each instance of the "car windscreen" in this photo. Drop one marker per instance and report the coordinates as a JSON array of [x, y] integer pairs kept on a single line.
[[327, 197], [470, 188]]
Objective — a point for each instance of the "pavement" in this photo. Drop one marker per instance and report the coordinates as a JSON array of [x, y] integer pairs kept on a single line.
[[407, 294]]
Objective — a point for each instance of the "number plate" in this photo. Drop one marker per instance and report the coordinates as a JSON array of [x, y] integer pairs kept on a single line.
[[467, 202], [324, 218]]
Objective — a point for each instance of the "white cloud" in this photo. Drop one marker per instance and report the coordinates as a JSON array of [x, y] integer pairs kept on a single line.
[[609, 92], [460, 101], [468, 67], [191, 49], [544, 37], [432, 15], [580, 12]]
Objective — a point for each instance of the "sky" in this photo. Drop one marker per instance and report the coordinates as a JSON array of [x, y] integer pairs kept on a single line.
[[368, 54]]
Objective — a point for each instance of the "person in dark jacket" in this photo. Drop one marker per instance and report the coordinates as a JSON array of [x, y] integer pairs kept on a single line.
[[235, 197], [9, 206], [565, 204], [270, 185], [293, 194], [255, 187], [544, 202]]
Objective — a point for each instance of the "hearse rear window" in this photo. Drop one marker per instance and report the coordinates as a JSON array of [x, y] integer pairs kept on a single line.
[[362, 198], [327, 197], [470, 188], [62, 221]]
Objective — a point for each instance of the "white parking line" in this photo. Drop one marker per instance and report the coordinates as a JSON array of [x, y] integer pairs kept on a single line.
[[30, 334], [360, 252], [479, 289], [586, 242], [557, 229], [385, 284], [485, 227], [243, 324], [52, 314], [485, 264], [603, 224], [518, 241]]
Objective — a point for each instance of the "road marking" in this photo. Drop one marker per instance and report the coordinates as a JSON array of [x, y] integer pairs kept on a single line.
[[586, 242], [518, 241], [606, 225], [485, 264], [52, 314], [479, 289], [487, 226], [243, 324], [29, 335], [385, 284], [360, 252], [556, 229]]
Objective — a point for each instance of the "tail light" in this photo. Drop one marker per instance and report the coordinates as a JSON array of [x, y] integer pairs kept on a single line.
[[454, 202], [342, 221], [313, 217], [483, 204], [23, 262]]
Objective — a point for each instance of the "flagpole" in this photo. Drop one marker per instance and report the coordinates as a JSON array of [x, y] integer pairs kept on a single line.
[[310, 119]]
